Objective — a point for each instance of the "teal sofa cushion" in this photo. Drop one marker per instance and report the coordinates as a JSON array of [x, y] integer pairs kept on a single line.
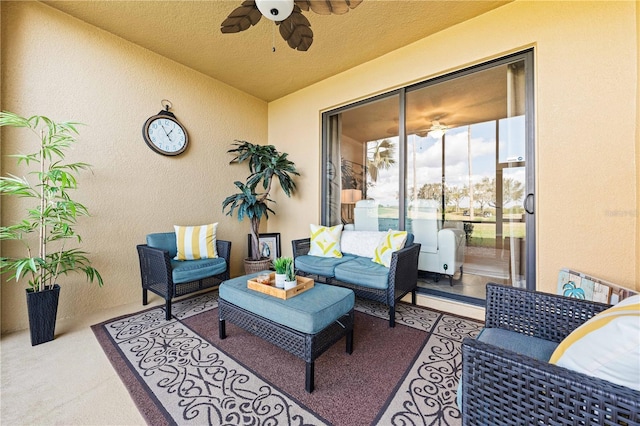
[[530, 346], [364, 272], [164, 241], [410, 239], [309, 312], [321, 265], [184, 271]]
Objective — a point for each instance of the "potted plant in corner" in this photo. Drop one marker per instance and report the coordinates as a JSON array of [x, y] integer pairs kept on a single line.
[[266, 163], [48, 225]]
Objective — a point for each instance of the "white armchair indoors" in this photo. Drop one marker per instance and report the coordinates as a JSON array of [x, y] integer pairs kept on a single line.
[[441, 249], [365, 215]]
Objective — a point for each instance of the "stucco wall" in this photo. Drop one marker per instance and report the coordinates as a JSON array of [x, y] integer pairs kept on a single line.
[[587, 136], [586, 85], [637, 227], [58, 66]]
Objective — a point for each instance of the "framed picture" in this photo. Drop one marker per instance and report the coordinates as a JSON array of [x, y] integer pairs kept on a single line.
[[269, 245]]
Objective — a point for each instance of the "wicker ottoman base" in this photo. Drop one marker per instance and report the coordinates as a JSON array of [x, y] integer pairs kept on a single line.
[[302, 345]]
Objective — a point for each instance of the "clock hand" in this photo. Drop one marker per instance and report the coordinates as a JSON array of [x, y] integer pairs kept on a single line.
[[167, 133]]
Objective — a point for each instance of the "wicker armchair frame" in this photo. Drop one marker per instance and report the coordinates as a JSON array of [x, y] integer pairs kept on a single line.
[[403, 277], [501, 387], [156, 276], [303, 345]]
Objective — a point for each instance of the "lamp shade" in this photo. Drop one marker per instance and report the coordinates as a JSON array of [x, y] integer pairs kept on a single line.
[[276, 10], [350, 196]]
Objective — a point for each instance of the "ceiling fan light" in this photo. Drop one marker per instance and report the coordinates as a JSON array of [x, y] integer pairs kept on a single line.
[[437, 133], [437, 130], [275, 10]]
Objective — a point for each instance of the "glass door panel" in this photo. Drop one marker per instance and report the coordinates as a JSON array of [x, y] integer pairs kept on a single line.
[[364, 141], [466, 155], [456, 151]]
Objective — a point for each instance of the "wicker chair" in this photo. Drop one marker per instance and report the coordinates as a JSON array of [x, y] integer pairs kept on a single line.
[[157, 269], [501, 387]]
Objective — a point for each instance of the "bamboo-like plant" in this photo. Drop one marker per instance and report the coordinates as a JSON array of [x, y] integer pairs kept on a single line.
[[54, 213], [266, 163]]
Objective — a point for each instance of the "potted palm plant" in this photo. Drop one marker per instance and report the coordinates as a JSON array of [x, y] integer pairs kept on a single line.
[[266, 164], [47, 229]]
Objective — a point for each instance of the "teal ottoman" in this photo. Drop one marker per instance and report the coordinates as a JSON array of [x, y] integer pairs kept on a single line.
[[305, 325]]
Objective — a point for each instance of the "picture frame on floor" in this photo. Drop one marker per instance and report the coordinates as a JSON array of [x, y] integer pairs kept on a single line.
[[269, 245]]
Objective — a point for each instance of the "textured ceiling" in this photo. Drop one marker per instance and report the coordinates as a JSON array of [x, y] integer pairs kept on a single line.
[[474, 98], [188, 32]]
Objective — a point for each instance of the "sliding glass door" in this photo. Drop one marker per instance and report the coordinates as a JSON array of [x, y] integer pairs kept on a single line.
[[460, 145]]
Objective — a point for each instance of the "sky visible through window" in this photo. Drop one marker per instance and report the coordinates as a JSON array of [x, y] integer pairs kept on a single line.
[[427, 161]]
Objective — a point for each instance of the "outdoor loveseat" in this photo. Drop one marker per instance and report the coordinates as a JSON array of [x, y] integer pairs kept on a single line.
[[356, 270], [169, 278], [507, 380]]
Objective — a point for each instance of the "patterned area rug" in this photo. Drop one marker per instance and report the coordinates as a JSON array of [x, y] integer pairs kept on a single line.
[[180, 372]]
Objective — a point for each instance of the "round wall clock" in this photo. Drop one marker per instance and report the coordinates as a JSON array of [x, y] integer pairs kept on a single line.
[[164, 134]]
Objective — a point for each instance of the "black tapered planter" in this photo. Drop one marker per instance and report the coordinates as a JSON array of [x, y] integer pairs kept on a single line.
[[43, 308]]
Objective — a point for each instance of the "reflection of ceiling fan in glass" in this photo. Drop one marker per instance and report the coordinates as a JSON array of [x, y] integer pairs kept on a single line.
[[294, 27], [436, 130]]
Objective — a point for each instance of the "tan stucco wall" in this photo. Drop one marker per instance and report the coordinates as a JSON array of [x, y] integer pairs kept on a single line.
[[586, 113], [586, 78], [58, 66], [638, 143]]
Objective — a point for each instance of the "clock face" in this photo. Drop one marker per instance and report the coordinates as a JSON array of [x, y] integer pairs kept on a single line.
[[165, 135]]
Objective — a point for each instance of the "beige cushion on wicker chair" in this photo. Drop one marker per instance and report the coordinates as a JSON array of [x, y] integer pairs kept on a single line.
[[607, 346]]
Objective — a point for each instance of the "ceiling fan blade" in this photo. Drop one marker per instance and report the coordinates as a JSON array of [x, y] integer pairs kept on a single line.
[[296, 30], [328, 7], [241, 18]]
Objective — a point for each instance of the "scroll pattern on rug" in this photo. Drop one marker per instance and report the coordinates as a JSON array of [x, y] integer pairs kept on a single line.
[[195, 382], [427, 396]]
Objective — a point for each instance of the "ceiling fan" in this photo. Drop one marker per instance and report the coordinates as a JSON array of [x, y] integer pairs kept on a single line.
[[436, 130], [294, 27]]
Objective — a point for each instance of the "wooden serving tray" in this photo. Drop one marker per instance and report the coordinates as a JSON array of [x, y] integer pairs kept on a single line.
[[304, 284]]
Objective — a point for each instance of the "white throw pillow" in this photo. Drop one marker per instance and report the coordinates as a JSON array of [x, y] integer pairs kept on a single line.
[[196, 242], [607, 346], [361, 243], [325, 241]]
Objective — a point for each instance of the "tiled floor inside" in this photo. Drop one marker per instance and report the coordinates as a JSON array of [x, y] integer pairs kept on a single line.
[[482, 265]]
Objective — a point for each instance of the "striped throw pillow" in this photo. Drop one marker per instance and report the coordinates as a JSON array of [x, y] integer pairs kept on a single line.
[[325, 241], [196, 242], [607, 346], [392, 241]]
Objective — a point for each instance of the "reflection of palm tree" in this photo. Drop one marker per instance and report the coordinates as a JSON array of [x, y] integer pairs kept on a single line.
[[380, 157]]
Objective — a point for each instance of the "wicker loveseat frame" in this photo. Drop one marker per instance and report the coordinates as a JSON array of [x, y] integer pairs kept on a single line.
[[501, 387], [403, 277], [156, 274]]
